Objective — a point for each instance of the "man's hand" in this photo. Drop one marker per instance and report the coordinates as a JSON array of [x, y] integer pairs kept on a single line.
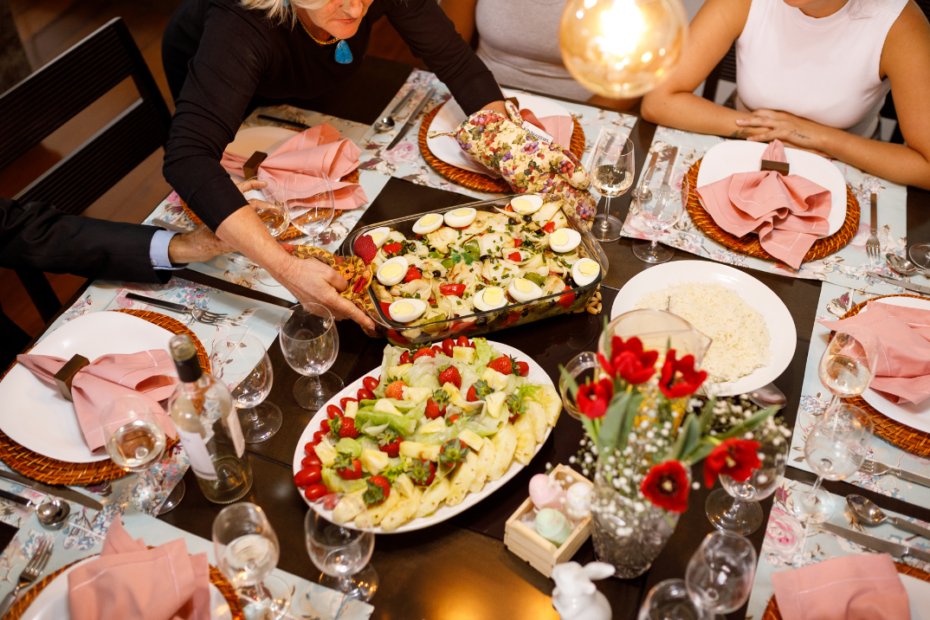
[[196, 247], [310, 280]]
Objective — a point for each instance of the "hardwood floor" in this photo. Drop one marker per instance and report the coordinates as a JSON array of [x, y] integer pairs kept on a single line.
[[48, 28]]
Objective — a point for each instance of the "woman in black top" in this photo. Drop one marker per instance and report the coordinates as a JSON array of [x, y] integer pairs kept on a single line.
[[225, 57]]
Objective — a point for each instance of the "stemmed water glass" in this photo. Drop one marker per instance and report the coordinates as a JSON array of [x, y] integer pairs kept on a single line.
[[310, 343], [660, 210], [309, 199], [669, 600], [268, 203], [245, 366], [612, 169], [735, 507], [848, 365], [720, 573], [247, 551], [135, 441], [835, 448], [342, 554]]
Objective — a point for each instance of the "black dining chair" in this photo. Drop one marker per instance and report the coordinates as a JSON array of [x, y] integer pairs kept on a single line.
[[725, 70], [56, 93]]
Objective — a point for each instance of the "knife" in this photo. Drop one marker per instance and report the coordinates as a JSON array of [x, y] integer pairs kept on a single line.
[[877, 544], [917, 288], [284, 121], [57, 491], [410, 119]]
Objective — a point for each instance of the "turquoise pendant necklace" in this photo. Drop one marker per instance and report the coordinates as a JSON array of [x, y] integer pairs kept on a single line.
[[343, 53]]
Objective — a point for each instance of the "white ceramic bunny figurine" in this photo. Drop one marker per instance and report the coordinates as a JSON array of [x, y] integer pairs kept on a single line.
[[575, 597]]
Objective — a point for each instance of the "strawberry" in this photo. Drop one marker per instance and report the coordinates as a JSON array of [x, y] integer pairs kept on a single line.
[[453, 452], [392, 248], [395, 390], [479, 391], [348, 467], [421, 472], [436, 404], [389, 443], [424, 352], [378, 490], [347, 428], [516, 407], [450, 374], [502, 364], [365, 248], [413, 274]]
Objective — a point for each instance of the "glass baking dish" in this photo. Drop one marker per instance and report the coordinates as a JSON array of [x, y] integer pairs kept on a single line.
[[481, 323]]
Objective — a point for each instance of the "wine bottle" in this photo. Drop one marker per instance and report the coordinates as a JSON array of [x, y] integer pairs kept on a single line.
[[202, 410]]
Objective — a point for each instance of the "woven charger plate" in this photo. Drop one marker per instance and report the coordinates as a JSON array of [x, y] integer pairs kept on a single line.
[[749, 244], [474, 180], [216, 578], [901, 435], [773, 613], [292, 231], [52, 471]]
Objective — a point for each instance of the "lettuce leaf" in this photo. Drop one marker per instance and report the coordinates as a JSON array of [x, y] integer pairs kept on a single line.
[[484, 352], [336, 484], [401, 424]]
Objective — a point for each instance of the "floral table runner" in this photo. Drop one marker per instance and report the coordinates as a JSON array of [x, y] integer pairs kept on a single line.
[[846, 267]]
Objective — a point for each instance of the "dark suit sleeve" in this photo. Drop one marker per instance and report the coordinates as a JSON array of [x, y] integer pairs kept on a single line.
[[39, 236], [432, 36]]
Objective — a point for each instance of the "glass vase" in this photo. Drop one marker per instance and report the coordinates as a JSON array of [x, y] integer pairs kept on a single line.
[[629, 532]]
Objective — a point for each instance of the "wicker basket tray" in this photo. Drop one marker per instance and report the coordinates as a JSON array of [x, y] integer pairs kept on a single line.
[[749, 244], [475, 180]]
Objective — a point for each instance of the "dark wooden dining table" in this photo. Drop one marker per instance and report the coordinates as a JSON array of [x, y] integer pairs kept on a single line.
[[461, 568]]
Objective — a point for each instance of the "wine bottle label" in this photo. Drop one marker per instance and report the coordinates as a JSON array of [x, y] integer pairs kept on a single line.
[[235, 432], [197, 453]]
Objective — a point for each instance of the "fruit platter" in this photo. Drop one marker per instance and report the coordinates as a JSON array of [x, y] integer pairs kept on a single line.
[[477, 268], [426, 435]]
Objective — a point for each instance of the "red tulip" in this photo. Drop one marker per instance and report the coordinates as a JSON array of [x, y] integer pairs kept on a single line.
[[666, 486], [593, 398], [679, 378], [736, 458], [629, 361]]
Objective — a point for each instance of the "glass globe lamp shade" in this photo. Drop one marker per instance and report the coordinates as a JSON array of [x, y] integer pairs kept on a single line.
[[622, 48]]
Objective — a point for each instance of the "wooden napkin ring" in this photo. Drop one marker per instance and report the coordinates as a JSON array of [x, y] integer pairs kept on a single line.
[[781, 167], [250, 168], [65, 376]]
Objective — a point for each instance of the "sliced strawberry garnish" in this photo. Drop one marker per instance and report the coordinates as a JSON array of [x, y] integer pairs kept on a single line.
[[365, 248]]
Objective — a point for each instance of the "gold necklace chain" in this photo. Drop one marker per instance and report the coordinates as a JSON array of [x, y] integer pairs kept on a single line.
[[317, 41]]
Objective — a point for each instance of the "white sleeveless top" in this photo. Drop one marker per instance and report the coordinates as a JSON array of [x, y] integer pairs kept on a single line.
[[825, 70]]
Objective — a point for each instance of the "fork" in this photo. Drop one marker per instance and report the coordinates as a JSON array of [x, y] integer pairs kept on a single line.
[[872, 247], [208, 318], [874, 468], [32, 571]]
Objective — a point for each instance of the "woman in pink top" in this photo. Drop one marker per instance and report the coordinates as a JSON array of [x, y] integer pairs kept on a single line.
[[813, 74]]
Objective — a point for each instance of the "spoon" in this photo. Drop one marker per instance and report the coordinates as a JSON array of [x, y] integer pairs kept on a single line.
[[51, 513], [387, 123], [904, 266], [768, 396], [867, 512]]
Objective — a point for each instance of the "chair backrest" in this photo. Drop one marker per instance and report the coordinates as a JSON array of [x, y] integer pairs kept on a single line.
[[725, 70], [46, 100]]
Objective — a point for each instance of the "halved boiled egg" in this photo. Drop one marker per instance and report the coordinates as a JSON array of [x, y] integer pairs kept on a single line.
[[490, 298], [406, 310], [522, 289], [564, 240], [526, 205], [427, 224], [392, 271], [584, 271], [460, 218], [379, 235]]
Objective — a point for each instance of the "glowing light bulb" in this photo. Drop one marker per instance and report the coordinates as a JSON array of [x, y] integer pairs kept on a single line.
[[622, 48]]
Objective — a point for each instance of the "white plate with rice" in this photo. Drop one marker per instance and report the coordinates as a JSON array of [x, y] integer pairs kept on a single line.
[[712, 297]]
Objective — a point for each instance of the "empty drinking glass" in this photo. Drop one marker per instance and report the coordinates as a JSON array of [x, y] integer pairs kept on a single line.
[[135, 441], [735, 507], [612, 168], [719, 575], [244, 366], [310, 343], [848, 365], [835, 448], [669, 600], [660, 212], [308, 196], [342, 554]]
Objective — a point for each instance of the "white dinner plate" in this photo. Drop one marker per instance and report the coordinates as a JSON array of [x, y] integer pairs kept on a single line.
[[52, 602], [35, 415], [777, 318], [264, 139], [450, 116], [917, 416], [740, 156], [536, 375]]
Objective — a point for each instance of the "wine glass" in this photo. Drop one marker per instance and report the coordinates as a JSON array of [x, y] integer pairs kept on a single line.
[[669, 600], [659, 212], [245, 367], [735, 507], [308, 197], [135, 441], [835, 448], [310, 343], [612, 168], [247, 550], [268, 203], [719, 575], [848, 365], [342, 554], [919, 253]]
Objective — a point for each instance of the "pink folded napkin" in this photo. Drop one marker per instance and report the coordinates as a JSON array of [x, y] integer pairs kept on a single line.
[[318, 148], [131, 582], [149, 374], [854, 587], [789, 213], [902, 372]]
